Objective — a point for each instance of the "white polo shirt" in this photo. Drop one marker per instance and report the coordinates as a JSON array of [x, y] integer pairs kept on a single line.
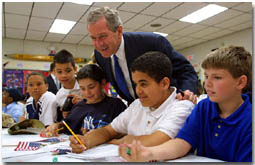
[[47, 107], [63, 92], [168, 118]]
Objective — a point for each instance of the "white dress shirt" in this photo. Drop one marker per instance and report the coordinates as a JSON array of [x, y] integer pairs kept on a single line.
[[168, 118], [123, 65]]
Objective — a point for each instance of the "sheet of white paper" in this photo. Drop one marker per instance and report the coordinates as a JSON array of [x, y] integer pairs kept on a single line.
[[194, 158], [102, 151]]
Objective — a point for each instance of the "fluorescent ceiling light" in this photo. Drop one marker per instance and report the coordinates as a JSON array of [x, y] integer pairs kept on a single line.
[[83, 2], [163, 34], [203, 13], [61, 26]]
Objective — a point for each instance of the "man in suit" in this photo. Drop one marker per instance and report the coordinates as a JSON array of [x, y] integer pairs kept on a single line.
[[115, 49], [52, 80]]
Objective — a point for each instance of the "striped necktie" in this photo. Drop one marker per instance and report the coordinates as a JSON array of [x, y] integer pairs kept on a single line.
[[120, 79]]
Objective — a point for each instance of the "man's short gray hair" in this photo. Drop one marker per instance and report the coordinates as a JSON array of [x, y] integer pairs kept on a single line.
[[112, 17]]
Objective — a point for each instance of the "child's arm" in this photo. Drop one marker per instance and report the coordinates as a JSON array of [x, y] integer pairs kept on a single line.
[[154, 139], [171, 149], [93, 138]]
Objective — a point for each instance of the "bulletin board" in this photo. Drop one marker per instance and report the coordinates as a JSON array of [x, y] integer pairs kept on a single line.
[[17, 78]]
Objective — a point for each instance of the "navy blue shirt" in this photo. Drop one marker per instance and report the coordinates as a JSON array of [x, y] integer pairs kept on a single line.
[[228, 139], [92, 116]]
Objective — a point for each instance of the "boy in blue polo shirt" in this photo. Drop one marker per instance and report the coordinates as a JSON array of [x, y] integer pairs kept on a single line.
[[220, 126]]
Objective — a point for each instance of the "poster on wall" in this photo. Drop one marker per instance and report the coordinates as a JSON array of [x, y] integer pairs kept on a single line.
[[14, 79]]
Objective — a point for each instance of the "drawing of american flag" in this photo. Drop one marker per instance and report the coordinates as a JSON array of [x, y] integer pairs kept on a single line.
[[27, 146]]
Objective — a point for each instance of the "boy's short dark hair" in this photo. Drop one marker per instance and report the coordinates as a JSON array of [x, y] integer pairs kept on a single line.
[[63, 57], [14, 93], [92, 71], [37, 74], [235, 59], [52, 66], [155, 64]]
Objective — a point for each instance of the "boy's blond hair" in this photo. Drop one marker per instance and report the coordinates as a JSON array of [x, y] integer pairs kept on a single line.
[[236, 60]]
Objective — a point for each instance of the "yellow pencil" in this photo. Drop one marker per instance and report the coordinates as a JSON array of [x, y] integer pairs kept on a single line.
[[76, 137]]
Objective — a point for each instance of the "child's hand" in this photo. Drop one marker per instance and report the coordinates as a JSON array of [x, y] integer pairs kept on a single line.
[[137, 153], [76, 146], [21, 118], [76, 98], [187, 95], [50, 131]]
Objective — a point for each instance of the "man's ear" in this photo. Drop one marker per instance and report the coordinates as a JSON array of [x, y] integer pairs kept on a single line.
[[120, 30], [165, 82], [242, 82]]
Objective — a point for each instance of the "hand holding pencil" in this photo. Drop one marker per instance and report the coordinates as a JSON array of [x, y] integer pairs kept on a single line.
[[52, 130]]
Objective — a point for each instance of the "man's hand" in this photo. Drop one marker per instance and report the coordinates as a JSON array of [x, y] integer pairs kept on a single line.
[[76, 146], [187, 95], [138, 153]]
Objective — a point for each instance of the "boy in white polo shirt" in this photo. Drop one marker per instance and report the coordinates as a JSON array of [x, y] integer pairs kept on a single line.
[[154, 118]]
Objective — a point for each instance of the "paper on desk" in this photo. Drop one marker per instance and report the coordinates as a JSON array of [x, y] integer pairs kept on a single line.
[[194, 158], [101, 151]]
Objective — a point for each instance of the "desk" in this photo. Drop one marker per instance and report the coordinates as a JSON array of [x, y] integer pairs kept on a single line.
[[102, 153]]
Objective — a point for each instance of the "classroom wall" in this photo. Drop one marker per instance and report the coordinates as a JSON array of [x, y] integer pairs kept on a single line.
[[198, 52], [11, 46]]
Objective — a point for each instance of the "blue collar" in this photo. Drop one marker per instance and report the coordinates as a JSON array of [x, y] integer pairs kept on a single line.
[[234, 117]]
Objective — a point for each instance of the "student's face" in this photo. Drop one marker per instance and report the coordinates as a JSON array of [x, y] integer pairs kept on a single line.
[[6, 99], [36, 86], [104, 40], [150, 93], [65, 73], [220, 85], [91, 90]]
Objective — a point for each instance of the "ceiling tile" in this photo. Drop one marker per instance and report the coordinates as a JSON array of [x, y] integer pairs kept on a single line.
[[79, 29], [84, 17], [134, 6], [16, 21], [204, 32], [15, 33], [138, 21], [112, 5], [73, 39], [125, 16], [40, 24], [160, 8], [46, 10], [172, 37], [35, 35], [23, 8], [54, 37], [161, 21], [242, 26], [235, 21], [182, 40], [227, 4], [228, 14], [218, 34], [184, 9], [76, 11], [86, 41], [177, 25], [190, 29], [245, 7]]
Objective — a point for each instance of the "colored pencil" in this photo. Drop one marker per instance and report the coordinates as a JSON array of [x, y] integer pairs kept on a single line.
[[75, 136]]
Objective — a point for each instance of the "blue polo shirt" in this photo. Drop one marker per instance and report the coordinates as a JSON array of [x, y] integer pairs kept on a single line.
[[227, 139]]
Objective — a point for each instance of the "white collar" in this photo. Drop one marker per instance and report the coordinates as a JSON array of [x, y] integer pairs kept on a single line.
[[170, 100], [121, 51]]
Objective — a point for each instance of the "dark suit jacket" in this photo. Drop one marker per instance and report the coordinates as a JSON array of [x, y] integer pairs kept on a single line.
[[137, 43], [52, 86]]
